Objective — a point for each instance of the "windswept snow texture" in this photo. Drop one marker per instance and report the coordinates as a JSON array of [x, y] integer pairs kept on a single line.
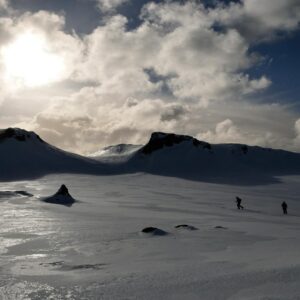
[[24, 155], [95, 249]]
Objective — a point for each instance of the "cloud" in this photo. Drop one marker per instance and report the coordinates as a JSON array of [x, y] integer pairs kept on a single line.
[[259, 20], [88, 128], [184, 68], [268, 125], [224, 131], [100, 122], [4, 4], [110, 5], [173, 113], [178, 42], [297, 133]]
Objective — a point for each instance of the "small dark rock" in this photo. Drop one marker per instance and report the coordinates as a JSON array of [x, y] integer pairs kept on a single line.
[[154, 231], [185, 226], [5, 194], [220, 227], [24, 193]]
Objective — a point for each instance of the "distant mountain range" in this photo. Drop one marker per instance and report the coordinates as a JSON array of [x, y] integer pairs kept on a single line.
[[25, 155]]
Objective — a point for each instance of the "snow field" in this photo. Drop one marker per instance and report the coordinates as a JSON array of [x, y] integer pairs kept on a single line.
[[95, 249]]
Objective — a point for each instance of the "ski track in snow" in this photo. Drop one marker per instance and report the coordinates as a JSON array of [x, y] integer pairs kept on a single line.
[[95, 250]]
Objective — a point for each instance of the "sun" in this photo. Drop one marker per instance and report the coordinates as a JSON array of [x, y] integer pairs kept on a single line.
[[29, 62]]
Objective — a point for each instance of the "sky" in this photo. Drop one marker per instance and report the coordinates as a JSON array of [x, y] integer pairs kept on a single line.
[[85, 74]]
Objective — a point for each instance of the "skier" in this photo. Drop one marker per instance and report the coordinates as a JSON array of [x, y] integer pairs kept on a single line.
[[284, 207], [238, 203]]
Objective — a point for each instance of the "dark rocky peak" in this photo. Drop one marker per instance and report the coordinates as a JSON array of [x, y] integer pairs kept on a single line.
[[61, 197], [18, 134], [63, 190], [160, 140]]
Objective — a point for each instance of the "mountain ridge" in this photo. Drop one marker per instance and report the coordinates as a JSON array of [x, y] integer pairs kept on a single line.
[[24, 154]]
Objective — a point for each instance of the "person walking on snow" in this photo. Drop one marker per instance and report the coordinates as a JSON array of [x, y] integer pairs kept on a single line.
[[238, 203], [284, 207]]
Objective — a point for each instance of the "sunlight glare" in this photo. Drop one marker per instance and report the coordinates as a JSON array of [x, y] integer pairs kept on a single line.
[[29, 62]]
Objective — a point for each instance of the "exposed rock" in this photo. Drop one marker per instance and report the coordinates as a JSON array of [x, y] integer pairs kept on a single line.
[[154, 231], [63, 190], [8, 194], [185, 226], [24, 193], [220, 227], [18, 134], [63, 266], [160, 140], [62, 197]]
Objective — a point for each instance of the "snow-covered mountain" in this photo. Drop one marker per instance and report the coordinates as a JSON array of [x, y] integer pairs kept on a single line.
[[185, 156], [115, 153], [24, 154]]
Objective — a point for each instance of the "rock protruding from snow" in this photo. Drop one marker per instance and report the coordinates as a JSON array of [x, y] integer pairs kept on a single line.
[[160, 140], [186, 227], [154, 231], [8, 194], [62, 197], [220, 227]]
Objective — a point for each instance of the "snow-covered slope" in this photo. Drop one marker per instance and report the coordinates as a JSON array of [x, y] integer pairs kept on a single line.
[[185, 156], [24, 154], [116, 153]]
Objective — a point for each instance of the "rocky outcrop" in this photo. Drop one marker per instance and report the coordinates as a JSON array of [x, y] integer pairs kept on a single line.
[[61, 197], [160, 140], [153, 231]]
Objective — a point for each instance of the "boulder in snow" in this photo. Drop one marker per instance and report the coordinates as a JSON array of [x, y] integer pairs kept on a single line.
[[220, 227], [186, 227], [154, 231], [8, 194], [62, 197]]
